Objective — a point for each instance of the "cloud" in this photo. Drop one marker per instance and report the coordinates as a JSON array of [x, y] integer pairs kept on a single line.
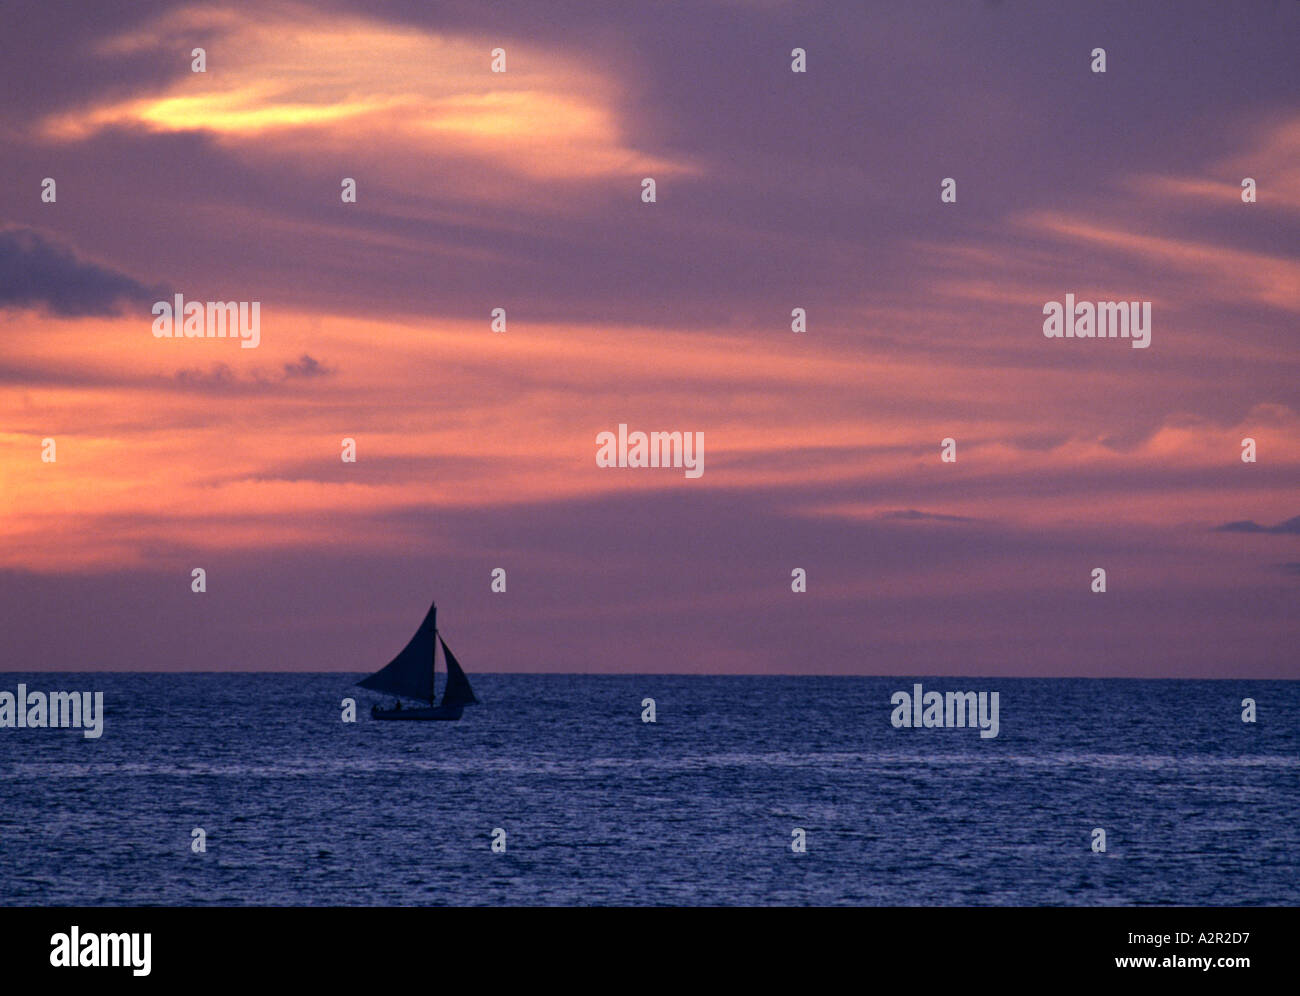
[[1221, 271], [220, 377], [912, 514], [1290, 526], [386, 99], [1273, 160], [35, 271], [306, 366]]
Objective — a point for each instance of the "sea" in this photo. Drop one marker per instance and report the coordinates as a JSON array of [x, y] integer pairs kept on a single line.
[[744, 791]]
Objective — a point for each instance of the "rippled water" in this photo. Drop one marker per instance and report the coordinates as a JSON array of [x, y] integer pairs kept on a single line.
[[300, 808]]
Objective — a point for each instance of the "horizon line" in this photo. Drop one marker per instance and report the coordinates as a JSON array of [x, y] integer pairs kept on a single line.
[[709, 674]]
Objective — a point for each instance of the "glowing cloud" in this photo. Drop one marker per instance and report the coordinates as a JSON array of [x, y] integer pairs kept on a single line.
[[286, 80]]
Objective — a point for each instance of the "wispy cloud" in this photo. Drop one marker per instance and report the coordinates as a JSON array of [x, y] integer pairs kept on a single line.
[[1291, 526]]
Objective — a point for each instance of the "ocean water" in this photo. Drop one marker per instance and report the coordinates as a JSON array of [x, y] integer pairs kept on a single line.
[[698, 808]]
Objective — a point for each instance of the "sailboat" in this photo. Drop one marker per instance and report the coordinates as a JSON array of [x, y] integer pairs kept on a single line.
[[410, 675]]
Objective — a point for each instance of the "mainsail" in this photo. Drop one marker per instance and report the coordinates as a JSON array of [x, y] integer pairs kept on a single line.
[[457, 691], [410, 673]]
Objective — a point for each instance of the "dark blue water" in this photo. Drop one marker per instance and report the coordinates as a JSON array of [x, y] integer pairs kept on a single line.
[[299, 808]]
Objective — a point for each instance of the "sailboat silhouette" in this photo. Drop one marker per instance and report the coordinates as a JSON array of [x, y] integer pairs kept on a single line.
[[411, 674]]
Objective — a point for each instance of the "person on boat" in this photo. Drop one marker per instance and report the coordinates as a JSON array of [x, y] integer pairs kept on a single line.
[[399, 704]]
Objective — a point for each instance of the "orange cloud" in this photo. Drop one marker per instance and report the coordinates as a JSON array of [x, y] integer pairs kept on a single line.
[[447, 416], [1230, 274], [286, 80], [1273, 162]]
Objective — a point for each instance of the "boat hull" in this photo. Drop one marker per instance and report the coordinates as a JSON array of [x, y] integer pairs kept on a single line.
[[426, 713]]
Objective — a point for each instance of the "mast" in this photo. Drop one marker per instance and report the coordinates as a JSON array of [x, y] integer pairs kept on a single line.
[[433, 670]]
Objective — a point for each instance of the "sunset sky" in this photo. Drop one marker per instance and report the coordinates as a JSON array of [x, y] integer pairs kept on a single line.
[[775, 190]]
